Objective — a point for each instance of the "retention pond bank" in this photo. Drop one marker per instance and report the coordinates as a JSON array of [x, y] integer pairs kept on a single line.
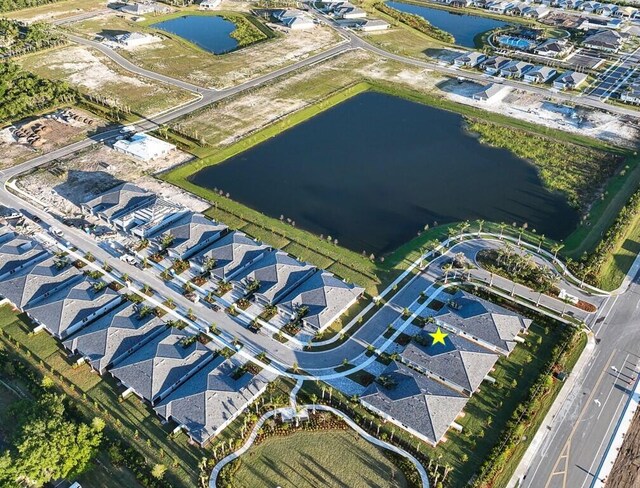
[[463, 27], [375, 169], [211, 33]]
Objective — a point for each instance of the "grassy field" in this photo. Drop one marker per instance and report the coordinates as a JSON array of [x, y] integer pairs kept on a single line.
[[311, 459], [614, 269], [94, 74], [179, 58], [131, 421]]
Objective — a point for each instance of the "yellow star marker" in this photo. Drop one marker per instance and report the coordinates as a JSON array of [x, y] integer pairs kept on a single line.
[[438, 337]]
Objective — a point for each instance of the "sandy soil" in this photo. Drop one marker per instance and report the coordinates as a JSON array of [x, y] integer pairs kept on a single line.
[[237, 118], [95, 74], [68, 182], [55, 134], [626, 470], [534, 108]]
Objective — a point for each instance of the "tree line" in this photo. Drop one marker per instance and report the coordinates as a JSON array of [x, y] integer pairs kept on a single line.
[[10, 5], [24, 93], [17, 38]]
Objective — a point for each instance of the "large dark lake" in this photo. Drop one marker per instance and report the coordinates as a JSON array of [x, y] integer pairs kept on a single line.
[[211, 33], [463, 27], [373, 170]]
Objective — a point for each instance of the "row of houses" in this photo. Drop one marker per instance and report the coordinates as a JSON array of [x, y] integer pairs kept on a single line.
[[428, 387], [273, 276], [527, 8], [184, 380], [294, 19], [515, 69]]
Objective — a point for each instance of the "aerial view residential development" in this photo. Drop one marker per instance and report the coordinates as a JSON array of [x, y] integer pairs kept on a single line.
[[318, 243]]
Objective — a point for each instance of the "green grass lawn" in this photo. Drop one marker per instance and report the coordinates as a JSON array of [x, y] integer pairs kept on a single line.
[[312, 459], [616, 267]]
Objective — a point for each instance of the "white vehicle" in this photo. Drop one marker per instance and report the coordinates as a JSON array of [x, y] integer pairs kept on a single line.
[[56, 232], [127, 130], [128, 259]]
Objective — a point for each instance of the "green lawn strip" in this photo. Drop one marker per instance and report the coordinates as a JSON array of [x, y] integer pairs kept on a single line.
[[604, 212], [267, 236], [620, 260], [305, 254], [321, 458], [227, 218], [79, 375], [39, 345]]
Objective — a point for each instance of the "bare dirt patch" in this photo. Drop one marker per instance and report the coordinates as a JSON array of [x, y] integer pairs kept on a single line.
[[32, 137], [95, 74], [67, 182], [626, 470], [180, 59], [231, 120]]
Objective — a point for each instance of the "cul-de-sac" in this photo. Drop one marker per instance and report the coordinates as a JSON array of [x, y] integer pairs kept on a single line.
[[319, 243]]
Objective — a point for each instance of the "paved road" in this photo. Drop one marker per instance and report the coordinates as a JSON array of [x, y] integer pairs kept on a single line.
[[579, 435]]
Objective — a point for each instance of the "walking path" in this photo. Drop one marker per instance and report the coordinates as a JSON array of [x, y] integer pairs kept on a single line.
[[385, 445]]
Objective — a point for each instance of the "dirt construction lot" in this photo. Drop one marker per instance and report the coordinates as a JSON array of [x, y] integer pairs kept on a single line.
[[95, 74], [68, 182], [626, 470], [180, 59], [32, 137], [229, 121]]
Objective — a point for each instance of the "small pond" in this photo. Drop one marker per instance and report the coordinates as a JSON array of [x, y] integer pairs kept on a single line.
[[209, 32], [373, 170], [463, 27]]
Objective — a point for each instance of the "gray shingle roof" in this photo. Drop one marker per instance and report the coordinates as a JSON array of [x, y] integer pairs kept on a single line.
[[156, 368], [37, 280], [70, 306], [416, 401], [119, 200], [190, 231], [484, 320], [114, 335], [211, 397], [459, 361], [325, 295], [17, 252], [277, 273], [232, 253]]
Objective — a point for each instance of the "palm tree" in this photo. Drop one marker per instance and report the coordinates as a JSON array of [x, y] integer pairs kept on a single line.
[[480, 223], [295, 367], [447, 269], [502, 226], [451, 232], [556, 248], [540, 241], [314, 400]]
